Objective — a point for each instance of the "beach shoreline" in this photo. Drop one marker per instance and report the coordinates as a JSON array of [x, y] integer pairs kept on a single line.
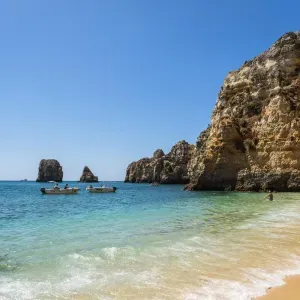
[[290, 290]]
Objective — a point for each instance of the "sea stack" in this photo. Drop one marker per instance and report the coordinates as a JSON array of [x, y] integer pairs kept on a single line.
[[88, 176], [50, 170], [162, 168], [253, 140]]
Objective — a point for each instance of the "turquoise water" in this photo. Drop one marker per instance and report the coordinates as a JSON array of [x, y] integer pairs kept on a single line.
[[144, 242]]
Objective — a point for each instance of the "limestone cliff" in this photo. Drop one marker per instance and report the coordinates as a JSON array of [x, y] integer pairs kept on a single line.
[[88, 176], [50, 170], [169, 168], [253, 142]]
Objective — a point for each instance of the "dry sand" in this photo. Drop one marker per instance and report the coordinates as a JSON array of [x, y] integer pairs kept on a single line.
[[289, 291]]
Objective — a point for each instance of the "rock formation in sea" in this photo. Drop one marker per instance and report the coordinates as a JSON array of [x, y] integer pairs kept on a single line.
[[88, 176], [50, 170], [253, 141], [163, 168]]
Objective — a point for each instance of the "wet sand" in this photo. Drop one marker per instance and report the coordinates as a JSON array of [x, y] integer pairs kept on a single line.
[[288, 291]]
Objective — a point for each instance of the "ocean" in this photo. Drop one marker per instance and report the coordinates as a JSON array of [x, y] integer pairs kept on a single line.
[[144, 242]]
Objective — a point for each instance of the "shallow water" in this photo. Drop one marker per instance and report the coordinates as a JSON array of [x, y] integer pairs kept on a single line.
[[144, 242]]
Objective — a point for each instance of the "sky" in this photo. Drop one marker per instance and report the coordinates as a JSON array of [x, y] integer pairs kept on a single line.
[[105, 83]]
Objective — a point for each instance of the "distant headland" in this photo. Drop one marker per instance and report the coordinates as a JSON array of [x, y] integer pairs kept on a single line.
[[253, 140]]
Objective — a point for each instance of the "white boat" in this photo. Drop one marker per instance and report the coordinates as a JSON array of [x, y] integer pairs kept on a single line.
[[101, 189], [60, 191]]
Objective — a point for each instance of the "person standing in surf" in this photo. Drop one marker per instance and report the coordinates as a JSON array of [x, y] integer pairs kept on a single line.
[[269, 196]]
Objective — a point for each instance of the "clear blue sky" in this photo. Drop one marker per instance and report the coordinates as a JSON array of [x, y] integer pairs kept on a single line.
[[103, 83]]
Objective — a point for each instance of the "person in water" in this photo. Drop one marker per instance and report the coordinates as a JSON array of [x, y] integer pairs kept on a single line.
[[66, 186], [270, 196]]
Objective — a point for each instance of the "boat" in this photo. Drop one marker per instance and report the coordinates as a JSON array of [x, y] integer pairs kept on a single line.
[[101, 189], [76, 188], [68, 191]]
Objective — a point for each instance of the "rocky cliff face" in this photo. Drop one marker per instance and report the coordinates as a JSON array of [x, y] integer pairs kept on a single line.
[[88, 176], [169, 168], [253, 142], [50, 170]]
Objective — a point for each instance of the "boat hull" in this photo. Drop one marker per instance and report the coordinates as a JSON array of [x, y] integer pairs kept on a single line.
[[59, 191]]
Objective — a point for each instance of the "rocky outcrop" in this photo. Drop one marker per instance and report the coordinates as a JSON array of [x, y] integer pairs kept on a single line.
[[169, 168], [50, 170], [253, 142], [88, 176]]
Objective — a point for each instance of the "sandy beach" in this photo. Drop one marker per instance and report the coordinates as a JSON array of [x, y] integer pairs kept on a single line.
[[288, 291]]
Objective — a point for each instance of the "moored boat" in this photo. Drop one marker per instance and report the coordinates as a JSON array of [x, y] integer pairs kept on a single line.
[[68, 191], [101, 189]]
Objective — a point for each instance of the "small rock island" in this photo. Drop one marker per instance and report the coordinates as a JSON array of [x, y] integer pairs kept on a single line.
[[253, 140], [88, 176], [50, 170]]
